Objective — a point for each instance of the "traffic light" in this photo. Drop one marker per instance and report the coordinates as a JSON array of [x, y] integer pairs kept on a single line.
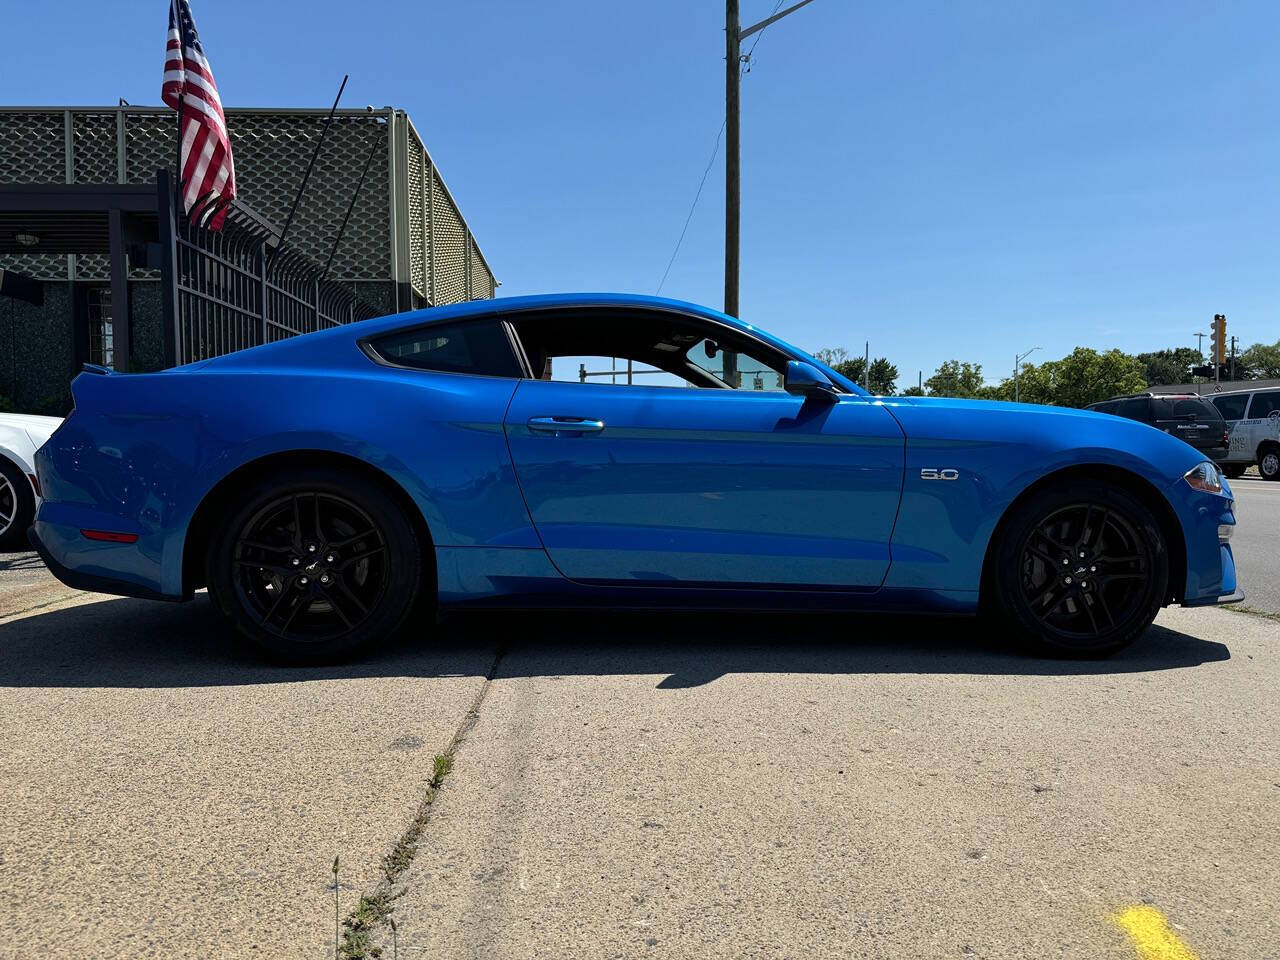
[[1218, 340]]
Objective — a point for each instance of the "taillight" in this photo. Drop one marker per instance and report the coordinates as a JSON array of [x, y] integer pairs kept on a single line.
[[109, 536], [1226, 438], [35, 484]]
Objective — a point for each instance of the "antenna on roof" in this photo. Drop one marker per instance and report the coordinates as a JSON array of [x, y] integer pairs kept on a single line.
[[307, 175], [373, 145]]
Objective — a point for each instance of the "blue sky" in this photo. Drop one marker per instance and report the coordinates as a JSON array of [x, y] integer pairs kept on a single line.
[[949, 180]]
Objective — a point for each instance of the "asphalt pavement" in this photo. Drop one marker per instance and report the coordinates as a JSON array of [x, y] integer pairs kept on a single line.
[[639, 786], [1256, 543]]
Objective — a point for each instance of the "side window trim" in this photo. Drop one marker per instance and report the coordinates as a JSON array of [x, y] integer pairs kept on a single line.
[[368, 346], [708, 327]]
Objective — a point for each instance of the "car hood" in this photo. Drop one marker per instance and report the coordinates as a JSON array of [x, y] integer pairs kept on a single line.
[[1046, 437]]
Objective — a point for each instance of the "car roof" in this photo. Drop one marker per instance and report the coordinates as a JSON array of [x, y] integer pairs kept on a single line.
[[299, 346]]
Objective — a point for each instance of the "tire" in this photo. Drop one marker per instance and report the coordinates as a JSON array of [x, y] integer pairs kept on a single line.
[[315, 564], [1234, 471], [17, 506], [1269, 463], [1088, 606]]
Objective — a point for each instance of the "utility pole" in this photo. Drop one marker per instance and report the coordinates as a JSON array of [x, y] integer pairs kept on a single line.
[[733, 37], [1232, 374], [866, 367], [1017, 363], [1200, 344]]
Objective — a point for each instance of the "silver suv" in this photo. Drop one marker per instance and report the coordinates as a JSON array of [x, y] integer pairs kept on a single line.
[[1253, 419]]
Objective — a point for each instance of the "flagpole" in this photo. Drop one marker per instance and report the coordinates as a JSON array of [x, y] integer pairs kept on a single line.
[[182, 100]]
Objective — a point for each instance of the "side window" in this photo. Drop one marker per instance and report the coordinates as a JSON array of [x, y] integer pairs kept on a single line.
[[1265, 405], [1232, 407], [1137, 408], [479, 347], [1108, 407], [749, 373]]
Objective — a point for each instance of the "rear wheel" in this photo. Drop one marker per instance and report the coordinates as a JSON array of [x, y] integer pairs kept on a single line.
[[315, 565], [1269, 463], [17, 506], [1081, 570], [1234, 471]]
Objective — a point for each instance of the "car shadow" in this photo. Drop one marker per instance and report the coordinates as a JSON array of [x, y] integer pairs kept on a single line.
[[137, 643]]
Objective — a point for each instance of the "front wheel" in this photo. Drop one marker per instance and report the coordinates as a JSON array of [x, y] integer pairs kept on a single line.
[[315, 564], [1081, 570]]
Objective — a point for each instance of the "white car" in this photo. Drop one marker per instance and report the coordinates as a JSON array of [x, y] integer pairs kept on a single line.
[[1253, 418], [21, 436]]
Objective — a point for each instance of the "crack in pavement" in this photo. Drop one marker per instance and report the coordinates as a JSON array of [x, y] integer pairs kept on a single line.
[[373, 912]]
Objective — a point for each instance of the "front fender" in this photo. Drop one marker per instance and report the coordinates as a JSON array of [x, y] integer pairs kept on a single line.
[[993, 452]]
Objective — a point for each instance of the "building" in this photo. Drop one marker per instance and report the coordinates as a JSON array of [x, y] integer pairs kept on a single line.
[[78, 196]]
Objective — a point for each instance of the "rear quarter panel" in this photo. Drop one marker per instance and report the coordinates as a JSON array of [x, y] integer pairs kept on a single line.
[[141, 452]]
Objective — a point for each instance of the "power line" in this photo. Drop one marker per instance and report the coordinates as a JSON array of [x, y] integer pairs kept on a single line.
[[693, 206], [746, 60], [745, 68]]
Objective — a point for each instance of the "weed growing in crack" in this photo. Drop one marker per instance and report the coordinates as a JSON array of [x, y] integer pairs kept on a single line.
[[375, 909]]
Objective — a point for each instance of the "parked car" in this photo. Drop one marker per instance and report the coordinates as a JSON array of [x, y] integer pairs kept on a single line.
[[1190, 418], [1253, 418], [326, 486], [20, 436]]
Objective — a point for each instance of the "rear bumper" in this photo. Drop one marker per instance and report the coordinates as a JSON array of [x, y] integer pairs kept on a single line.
[[92, 582]]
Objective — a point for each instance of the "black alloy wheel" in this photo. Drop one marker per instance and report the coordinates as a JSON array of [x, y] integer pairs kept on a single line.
[[1083, 570], [316, 566], [310, 566]]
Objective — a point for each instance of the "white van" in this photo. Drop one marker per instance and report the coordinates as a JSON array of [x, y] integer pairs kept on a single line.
[[1253, 419]]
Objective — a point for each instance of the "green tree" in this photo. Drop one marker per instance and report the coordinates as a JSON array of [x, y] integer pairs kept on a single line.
[[854, 369], [1162, 367], [1262, 360], [884, 375], [832, 356], [955, 378], [913, 392], [1082, 377]]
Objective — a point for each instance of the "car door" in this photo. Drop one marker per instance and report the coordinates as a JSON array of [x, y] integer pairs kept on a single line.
[[676, 486]]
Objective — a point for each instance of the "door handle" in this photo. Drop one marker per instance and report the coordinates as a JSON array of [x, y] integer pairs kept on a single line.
[[565, 426]]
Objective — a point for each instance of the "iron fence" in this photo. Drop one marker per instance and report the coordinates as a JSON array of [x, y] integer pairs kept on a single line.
[[235, 288]]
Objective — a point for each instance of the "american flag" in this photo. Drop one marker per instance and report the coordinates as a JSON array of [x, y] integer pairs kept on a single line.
[[207, 181]]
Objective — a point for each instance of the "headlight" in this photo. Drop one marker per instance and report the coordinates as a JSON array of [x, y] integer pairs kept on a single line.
[[1205, 477]]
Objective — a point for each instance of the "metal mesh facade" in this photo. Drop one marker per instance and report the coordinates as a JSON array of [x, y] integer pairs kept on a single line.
[[405, 230]]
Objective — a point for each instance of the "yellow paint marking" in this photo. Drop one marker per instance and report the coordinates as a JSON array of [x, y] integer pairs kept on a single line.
[[1152, 938]]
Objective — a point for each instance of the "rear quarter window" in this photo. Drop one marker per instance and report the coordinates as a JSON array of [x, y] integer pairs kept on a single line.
[[1232, 408], [478, 347], [1265, 405]]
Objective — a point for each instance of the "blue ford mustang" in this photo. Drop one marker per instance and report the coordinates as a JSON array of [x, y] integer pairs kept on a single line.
[[326, 486]]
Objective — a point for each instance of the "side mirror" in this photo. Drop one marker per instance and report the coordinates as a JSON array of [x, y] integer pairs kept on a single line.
[[806, 380]]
